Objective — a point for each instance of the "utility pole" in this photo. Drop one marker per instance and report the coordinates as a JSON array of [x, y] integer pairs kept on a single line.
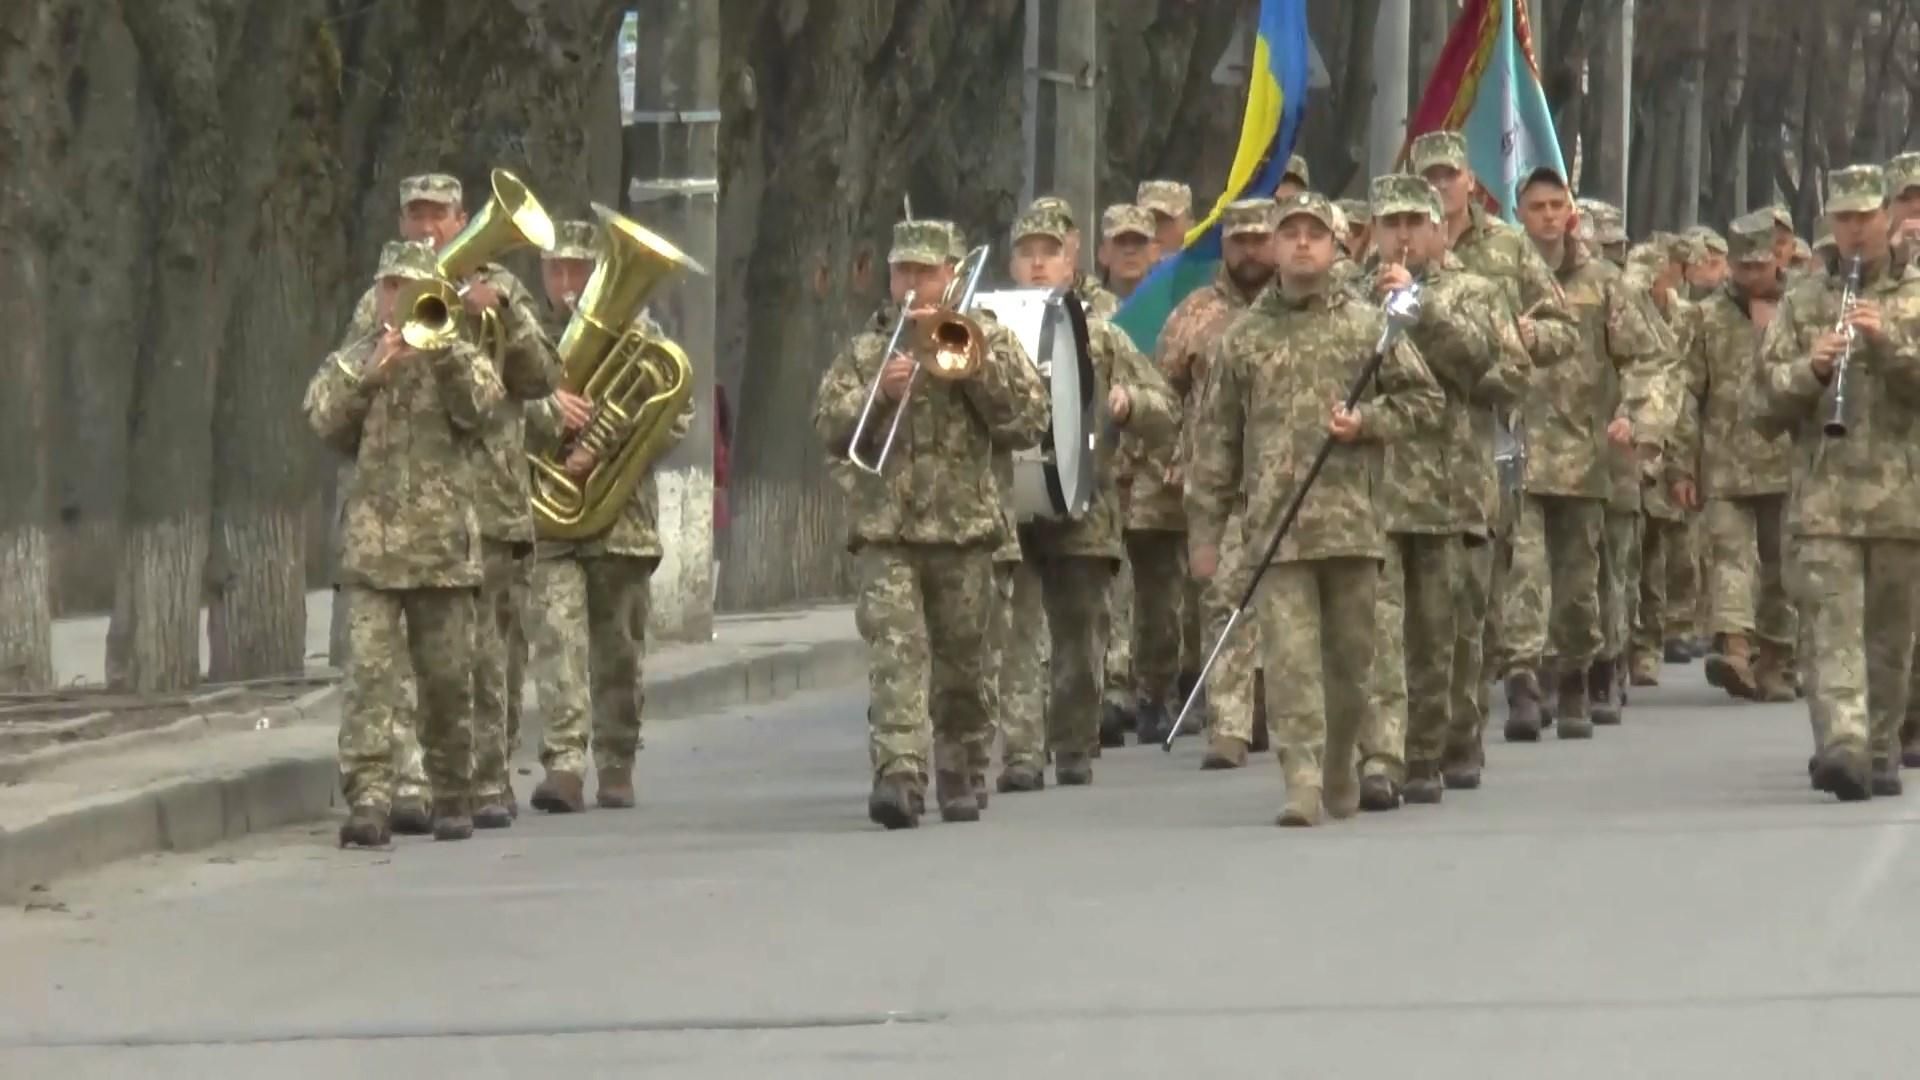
[[1432, 21], [672, 158], [1392, 40], [1695, 88], [1616, 106], [1061, 118]]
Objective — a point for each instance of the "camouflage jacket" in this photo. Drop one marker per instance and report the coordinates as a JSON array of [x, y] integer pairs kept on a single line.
[[408, 509], [1099, 301], [940, 485], [636, 531], [1633, 489], [1618, 372], [1497, 250], [1861, 485], [1154, 499], [1152, 419], [1717, 444], [1441, 478], [1270, 385]]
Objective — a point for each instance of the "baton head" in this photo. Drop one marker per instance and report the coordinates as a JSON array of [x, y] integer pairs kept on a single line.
[[1403, 307]]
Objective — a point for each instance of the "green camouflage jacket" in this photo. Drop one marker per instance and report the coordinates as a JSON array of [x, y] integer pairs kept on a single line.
[[1272, 381], [1493, 249], [1189, 332], [1633, 489], [1718, 444], [1862, 485]]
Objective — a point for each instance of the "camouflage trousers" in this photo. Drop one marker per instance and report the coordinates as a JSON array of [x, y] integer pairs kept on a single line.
[[1551, 605], [1745, 580], [1620, 577], [499, 667], [1682, 600], [392, 634], [586, 661], [1467, 709], [1316, 645], [1857, 605], [1158, 558], [1073, 589], [1026, 654], [996, 665], [924, 612], [1116, 629], [1663, 545], [1230, 690], [1414, 611]]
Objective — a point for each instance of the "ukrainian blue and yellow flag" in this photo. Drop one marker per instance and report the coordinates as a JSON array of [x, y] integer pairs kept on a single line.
[[1268, 129]]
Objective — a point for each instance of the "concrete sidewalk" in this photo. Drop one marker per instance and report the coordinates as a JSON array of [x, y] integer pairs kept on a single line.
[[195, 786]]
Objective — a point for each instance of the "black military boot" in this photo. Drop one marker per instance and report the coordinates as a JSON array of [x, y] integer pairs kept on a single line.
[[1072, 770], [451, 819], [410, 816], [1152, 723], [891, 804], [1523, 707], [1423, 783], [367, 826], [1885, 777], [1378, 793], [1022, 776], [1845, 772], [1115, 722], [1602, 705], [1573, 721]]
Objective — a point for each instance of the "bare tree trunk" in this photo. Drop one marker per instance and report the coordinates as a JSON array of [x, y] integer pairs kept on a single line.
[[29, 79], [1614, 90], [1692, 97]]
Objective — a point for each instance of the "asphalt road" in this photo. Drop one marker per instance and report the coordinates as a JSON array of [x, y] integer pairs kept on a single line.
[[1668, 900]]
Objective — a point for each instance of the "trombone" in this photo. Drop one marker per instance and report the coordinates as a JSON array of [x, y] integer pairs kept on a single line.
[[950, 344]]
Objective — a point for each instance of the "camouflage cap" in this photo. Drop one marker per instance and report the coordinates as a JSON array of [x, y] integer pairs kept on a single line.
[[410, 260], [1169, 197], [1056, 205], [1297, 170], [1647, 255], [430, 187], [1609, 224], [1438, 148], [1855, 189], [921, 241], [1903, 172], [573, 240], [1403, 193], [1340, 229], [1673, 244], [1825, 243], [1704, 241], [1356, 210], [956, 242], [1750, 238], [1247, 216], [1043, 220], [1782, 217], [1126, 219], [1311, 204]]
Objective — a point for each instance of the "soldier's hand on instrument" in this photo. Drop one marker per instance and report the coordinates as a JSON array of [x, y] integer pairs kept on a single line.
[[893, 377], [575, 410], [391, 347], [1393, 276], [580, 462], [1120, 404], [1686, 495], [1826, 351], [1620, 432], [480, 296], [1203, 560], [1865, 317], [1344, 424], [922, 311]]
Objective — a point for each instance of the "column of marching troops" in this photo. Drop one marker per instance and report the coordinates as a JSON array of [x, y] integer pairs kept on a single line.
[[1583, 459]]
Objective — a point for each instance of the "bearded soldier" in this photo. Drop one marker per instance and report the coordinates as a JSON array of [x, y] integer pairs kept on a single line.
[[410, 552], [1496, 250], [1576, 416], [1741, 473], [925, 528], [1266, 413], [1438, 494], [1247, 260]]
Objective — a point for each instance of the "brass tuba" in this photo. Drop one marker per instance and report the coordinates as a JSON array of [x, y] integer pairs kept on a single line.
[[512, 218], [430, 314], [637, 385]]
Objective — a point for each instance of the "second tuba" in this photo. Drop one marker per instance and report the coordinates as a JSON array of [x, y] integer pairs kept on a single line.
[[511, 218], [636, 385]]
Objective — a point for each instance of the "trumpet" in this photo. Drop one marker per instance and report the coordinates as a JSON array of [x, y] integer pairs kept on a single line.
[[949, 343], [1835, 426]]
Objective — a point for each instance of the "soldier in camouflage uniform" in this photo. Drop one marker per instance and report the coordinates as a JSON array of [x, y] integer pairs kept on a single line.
[[1493, 249], [1438, 494], [924, 531], [1072, 563], [1577, 415], [1359, 228], [1722, 458], [1128, 249], [1660, 270], [1266, 414], [1247, 262], [1855, 514], [1171, 204], [1297, 180], [411, 553], [589, 595], [1903, 183]]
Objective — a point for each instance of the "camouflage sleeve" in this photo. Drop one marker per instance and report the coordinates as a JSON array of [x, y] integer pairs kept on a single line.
[[1218, 434], [545, 425], [837, 403], [1404, 399], [1173, 352], [1683, 452], [469, 387], [529, 366], [1154, 415], [1787, 388], [360, 325], [1002, 392], [1898, 357], [1511, 369], [1556, 336], [338, 399], [1639, 345]]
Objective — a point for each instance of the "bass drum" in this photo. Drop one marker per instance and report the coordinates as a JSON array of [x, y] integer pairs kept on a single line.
[[1055, 480]]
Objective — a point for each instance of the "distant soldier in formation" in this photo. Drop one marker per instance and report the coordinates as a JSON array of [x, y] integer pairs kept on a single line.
[[1663, 534], [1171, 204], [1271, 378], [1359, 218], [1128, 249], [1903, 182]]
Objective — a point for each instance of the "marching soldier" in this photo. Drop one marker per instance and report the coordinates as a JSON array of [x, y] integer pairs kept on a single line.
[[1359, 228], [1247, 263], [924, 532], [1723, 459], [1297, 180], [1786, 246], [1663, 529], [1903, 181], [1438, 494], [1128, 249], [1271, 378], [1493, 249], [410, 553], [1171, 204], [1855, 517], [1072, 563], [1575, 419]]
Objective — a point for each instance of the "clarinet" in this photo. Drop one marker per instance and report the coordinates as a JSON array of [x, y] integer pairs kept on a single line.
[[1836, 425]]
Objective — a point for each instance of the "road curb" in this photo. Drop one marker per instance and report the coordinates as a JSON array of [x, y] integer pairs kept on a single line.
[[194, 812]]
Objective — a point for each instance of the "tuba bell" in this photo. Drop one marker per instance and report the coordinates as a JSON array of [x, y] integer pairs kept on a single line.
[[512, 218], [429, 314], [636, 384]]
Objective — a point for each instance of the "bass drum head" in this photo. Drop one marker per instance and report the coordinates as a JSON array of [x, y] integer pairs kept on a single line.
[[1068, 350]]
